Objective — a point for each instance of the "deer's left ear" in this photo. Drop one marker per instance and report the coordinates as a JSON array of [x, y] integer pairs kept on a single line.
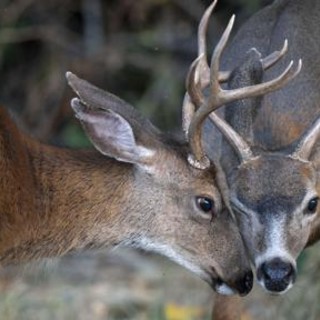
[[112, 134]]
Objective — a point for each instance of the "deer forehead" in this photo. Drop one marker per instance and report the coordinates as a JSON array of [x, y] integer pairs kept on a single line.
[[171, 172], [274, 182], [173, 164]]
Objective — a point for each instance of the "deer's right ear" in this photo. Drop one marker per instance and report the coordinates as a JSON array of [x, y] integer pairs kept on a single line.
[[111, 134]]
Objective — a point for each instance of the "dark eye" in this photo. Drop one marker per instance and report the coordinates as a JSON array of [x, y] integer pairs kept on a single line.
[[312, 205], [205, 204]]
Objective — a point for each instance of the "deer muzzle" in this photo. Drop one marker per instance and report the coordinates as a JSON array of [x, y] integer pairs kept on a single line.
[[241, 286], [276, 275]]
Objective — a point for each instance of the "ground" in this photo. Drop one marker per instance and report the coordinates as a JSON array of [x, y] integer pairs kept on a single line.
[[131, 285]]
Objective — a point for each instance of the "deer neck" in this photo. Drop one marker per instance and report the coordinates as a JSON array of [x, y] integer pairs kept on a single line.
[[58, 200]]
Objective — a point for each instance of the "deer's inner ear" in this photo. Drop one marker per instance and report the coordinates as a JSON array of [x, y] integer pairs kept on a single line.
[[111, 134]]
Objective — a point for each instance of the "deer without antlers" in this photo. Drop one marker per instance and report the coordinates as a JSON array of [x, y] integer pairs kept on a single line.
[[140, 190], [269, 151]]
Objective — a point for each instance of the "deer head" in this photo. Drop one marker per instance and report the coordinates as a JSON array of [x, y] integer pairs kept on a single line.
[[173, 206]]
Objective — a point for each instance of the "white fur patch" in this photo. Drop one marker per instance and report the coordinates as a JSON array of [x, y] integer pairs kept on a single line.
[[276, 244], [166, 250], [145, 152], [225, 290], [276, 249]]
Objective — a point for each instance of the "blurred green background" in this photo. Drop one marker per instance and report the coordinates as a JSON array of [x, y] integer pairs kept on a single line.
[[140, 51]]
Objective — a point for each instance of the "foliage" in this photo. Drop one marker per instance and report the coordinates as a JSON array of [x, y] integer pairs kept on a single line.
[[138, 50]]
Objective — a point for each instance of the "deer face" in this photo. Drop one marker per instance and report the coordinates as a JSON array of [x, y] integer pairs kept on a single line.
[[275, 201], [191, 224]]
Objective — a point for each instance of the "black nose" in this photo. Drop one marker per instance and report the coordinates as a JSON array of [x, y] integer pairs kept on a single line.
[[276, 274], [244, 285]]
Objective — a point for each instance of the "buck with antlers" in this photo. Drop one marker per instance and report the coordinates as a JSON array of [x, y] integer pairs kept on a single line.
[[269, 148], [139, 190]]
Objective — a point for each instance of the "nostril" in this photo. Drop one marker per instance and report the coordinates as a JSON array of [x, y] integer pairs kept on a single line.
[[244, 285], [219, 282], [248, 280]]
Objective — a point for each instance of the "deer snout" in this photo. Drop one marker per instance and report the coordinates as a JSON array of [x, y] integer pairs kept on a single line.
[[276, 275], [241, 285], [244, 284]]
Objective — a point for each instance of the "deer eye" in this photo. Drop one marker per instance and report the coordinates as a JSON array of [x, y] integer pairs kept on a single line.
[[312, 205], [205, 204]]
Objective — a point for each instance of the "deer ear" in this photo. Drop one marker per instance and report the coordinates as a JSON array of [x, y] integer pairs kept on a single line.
[[305, 147], [111, 134], [315, 158], [97, 98]]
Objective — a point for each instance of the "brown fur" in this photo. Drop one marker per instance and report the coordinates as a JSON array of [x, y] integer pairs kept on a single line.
[[226, 308], [55, 200]]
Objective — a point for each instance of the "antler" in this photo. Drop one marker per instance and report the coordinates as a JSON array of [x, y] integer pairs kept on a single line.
[[197, 80]]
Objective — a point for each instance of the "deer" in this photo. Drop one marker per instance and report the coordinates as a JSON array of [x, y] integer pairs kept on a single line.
[[138, 187], [268, 149]]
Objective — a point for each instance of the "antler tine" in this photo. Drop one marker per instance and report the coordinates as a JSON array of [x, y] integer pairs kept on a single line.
[[203, 27], [215, 61], [267, 62], [193, 86], [202, 45], [239, 144], [274, 57], [188, 107], [202, 49], [195, 78], [194, 97], [198, 158], [262, 88]]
